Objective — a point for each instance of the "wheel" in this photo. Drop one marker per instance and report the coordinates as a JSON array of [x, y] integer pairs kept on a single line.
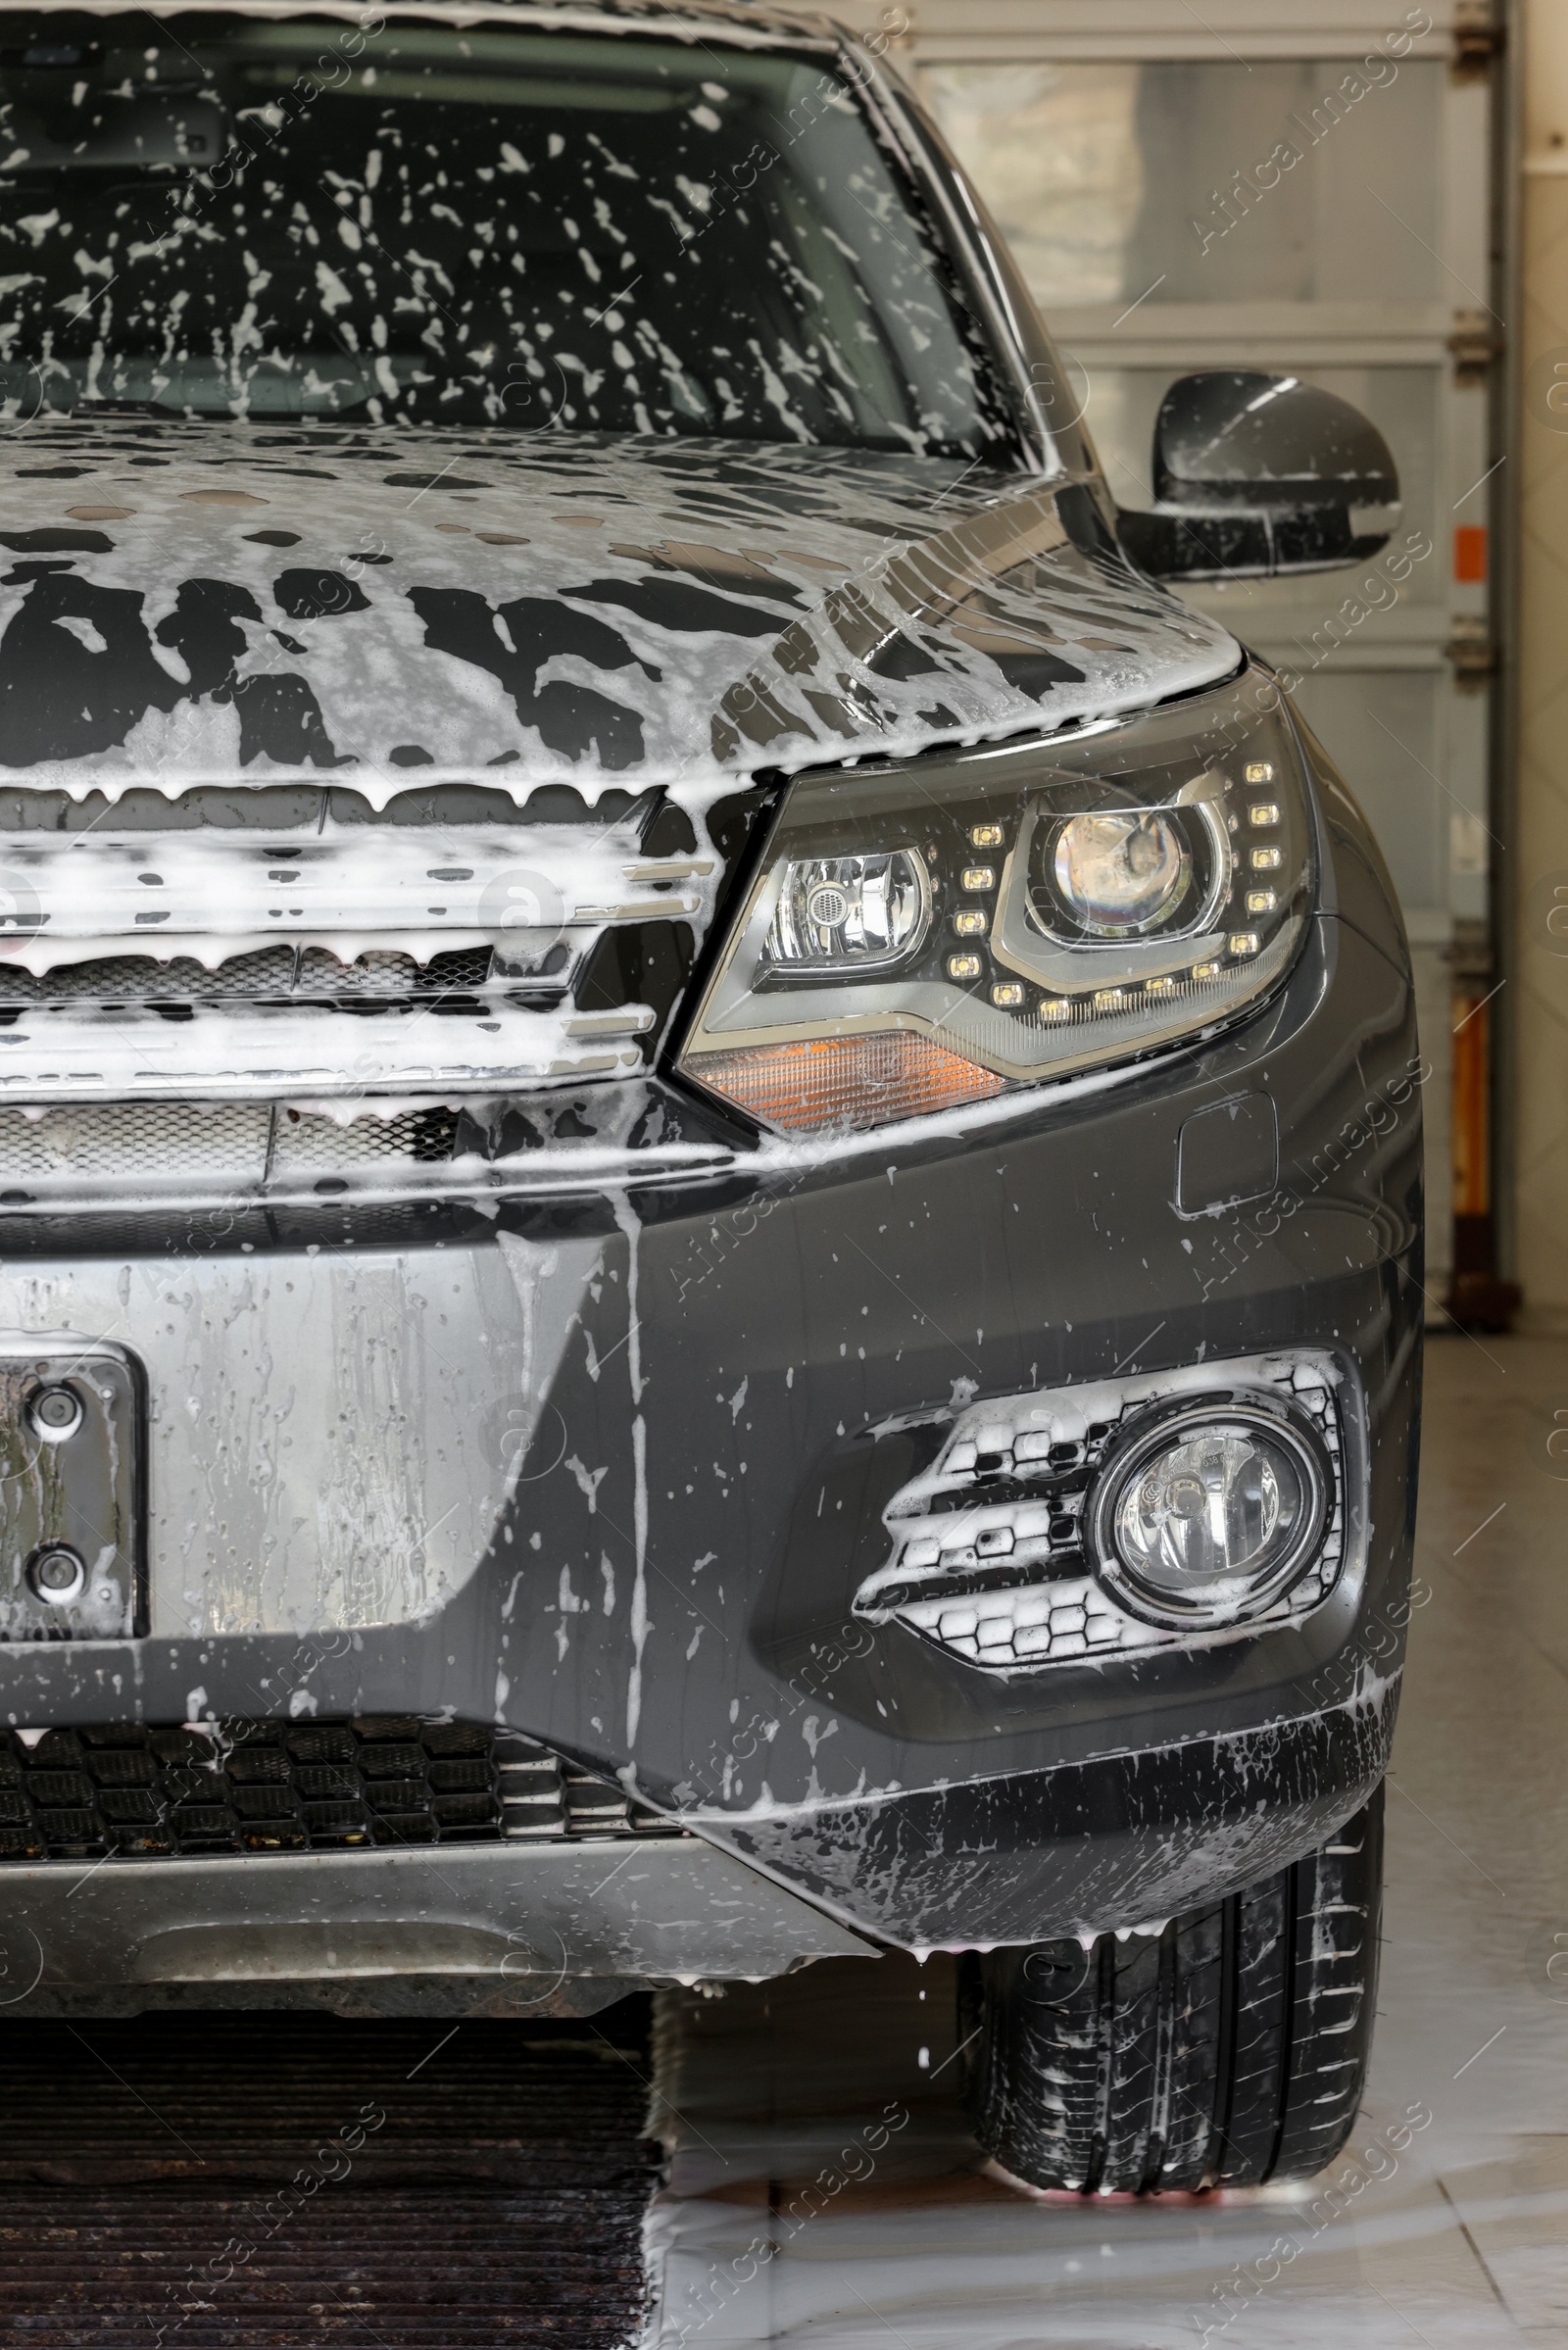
[[1229, 2050]]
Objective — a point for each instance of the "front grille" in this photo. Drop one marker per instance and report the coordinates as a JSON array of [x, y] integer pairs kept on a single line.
[[295, 973], [218, 1159], [314, 1146], [472, 942], [163, 1792], [134, 1139], [269, 972]]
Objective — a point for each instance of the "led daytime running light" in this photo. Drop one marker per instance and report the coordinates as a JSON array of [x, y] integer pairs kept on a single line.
[[1118, 912]]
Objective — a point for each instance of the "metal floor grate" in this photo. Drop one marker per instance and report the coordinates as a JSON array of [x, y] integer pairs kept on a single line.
[[279, 2183], [259, 1787]]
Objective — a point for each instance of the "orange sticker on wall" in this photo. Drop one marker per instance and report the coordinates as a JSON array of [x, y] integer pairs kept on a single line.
[[1470, 552]]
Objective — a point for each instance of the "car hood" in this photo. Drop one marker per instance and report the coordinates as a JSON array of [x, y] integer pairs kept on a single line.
[[184, 602]]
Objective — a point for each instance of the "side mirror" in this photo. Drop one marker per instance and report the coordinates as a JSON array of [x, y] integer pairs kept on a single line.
[[1258, 475]]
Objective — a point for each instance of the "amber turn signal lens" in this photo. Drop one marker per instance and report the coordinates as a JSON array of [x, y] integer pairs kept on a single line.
[[844, 1081]]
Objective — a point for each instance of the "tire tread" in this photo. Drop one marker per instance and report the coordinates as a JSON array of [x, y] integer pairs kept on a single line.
[[1227, 2050]]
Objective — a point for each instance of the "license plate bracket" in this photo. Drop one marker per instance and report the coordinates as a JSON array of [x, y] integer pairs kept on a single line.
[[72, 1481]]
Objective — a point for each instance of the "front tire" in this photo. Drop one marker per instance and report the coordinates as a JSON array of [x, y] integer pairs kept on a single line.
[[1230, 2049]]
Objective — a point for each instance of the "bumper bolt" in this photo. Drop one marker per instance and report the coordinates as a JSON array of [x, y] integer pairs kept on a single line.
[[57, 1574], [55, 1412]]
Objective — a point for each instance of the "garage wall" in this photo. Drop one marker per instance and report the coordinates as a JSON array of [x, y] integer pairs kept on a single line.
[[1539, 977]]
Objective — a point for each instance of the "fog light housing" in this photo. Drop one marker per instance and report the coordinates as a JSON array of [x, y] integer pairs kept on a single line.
[[1208, 1513]]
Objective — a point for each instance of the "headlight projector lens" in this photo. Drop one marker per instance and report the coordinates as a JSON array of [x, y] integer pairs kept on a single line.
[[1207, 1513], [1119, 874]]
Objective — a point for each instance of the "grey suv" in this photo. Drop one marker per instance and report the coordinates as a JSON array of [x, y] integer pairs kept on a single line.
[[709, 1206]]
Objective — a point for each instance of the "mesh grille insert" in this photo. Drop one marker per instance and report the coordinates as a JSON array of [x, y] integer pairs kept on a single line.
[[161, 1791], [312, 971], [311, 1144], [127, 1137]]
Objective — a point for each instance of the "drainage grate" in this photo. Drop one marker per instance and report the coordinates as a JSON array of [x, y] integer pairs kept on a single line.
[[209, 2183], [261, 1788]]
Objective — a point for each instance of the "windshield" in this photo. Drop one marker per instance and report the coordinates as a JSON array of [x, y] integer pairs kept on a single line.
[[422, 225]]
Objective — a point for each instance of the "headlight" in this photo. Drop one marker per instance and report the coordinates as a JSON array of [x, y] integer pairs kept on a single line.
[[1209, 1516], [837, 913], [929, 935]]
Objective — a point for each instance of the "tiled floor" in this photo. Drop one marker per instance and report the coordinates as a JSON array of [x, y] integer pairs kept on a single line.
[[1460, 2240]]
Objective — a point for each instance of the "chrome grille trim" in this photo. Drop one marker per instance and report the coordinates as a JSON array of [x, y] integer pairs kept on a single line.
[[221, 947], [989, 1559]]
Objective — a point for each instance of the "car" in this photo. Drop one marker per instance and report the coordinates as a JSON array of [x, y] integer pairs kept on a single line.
[[710, 1130]]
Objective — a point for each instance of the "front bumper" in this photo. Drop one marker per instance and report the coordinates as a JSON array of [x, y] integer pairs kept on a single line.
[[603, 1466], [466, 1930]]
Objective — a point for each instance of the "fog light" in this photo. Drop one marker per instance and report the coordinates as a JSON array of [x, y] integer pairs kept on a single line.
[[1208, 1513]]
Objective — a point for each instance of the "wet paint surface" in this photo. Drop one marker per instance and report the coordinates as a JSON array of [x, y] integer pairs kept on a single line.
[[544, 608], [824, 2183]]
